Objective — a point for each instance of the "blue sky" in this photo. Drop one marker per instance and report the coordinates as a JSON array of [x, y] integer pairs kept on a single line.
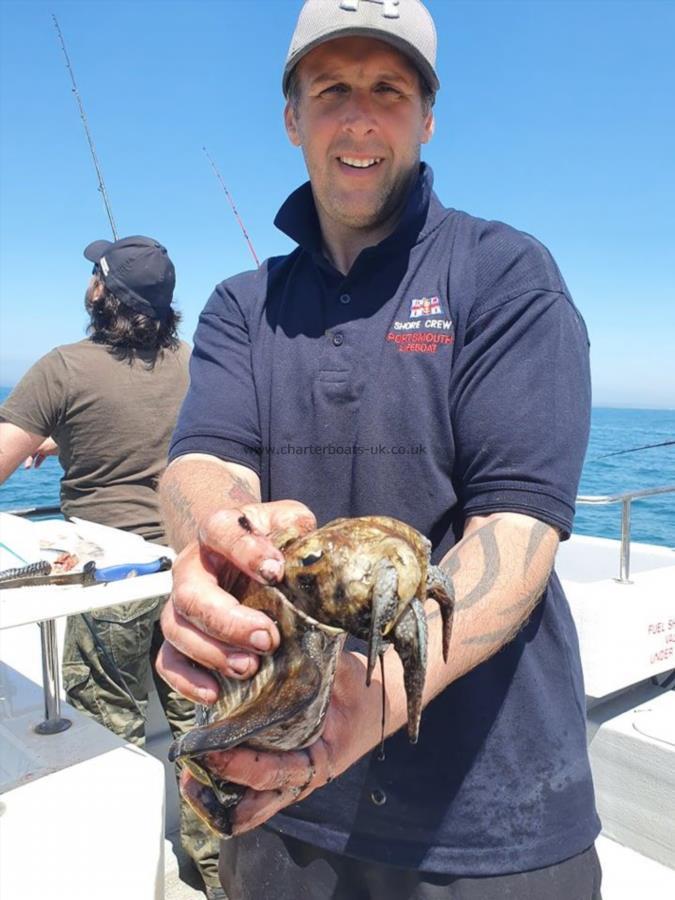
[[557, 117]]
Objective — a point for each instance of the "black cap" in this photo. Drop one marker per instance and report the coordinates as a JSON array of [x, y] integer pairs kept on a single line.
[[138, 271]]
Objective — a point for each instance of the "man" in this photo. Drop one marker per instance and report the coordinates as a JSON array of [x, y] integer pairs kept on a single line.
[[109, 404], [404, 360]]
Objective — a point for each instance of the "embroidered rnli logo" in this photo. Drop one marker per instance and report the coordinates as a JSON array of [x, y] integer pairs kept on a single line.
[[420, 333], [425, 306]]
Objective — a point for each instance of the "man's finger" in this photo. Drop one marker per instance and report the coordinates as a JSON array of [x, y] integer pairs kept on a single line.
[[257, 807], [263, 771], [297, 771], [186, 677], [197, 599], [305, 771], [242, 535], [209, 652]]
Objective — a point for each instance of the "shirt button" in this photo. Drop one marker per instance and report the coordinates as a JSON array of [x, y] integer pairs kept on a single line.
[[338, 340], [378, 797], [345, 298]]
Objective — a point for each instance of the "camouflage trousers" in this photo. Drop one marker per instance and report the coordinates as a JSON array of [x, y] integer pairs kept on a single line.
[[108, 664]]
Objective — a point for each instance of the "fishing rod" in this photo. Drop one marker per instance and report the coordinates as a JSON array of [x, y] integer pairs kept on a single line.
[[83, 116], [234, 208], [635, 449]]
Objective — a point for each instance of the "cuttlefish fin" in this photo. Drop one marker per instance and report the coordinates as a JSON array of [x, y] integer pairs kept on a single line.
[[278, 701]]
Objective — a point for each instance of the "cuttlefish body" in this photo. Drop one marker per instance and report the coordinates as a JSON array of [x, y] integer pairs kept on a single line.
[[368, 577]]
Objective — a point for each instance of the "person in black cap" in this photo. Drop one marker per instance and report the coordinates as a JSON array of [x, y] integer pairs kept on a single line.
[[107, 406], [138, 272], [405, 360]]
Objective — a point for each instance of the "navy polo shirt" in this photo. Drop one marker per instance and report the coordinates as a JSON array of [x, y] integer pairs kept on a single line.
[[446, 375]]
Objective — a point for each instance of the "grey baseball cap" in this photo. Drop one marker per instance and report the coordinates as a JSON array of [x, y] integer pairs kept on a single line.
[[405, 24]]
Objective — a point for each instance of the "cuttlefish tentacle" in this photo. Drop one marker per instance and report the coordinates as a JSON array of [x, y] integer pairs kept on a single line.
[[410, 642], [440, 588], [383, 610]]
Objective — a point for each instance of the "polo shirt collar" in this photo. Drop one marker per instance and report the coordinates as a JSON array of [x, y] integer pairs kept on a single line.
[[298, 218]]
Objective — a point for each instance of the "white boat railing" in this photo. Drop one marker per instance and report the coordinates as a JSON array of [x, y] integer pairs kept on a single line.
[[625, 499]]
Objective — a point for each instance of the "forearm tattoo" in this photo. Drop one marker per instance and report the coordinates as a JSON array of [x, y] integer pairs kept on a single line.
[[492, 564], [181, 507], [501, 636], [539, 532], [537, 537]]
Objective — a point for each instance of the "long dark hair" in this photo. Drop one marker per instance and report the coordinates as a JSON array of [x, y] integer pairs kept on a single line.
[[123, 329]]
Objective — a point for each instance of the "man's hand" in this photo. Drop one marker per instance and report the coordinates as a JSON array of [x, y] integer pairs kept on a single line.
[[276, 780], [48, 447], [204, 625]]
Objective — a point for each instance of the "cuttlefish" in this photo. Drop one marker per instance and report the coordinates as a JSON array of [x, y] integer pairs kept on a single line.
[[368, 577]]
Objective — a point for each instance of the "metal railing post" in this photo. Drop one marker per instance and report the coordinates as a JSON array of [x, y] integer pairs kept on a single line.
[[54, 722], [624, 564]]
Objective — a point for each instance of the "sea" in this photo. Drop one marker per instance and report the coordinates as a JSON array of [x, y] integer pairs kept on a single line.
[[613, 431]]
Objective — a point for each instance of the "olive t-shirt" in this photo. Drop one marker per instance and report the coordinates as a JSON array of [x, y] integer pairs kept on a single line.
[[112, 421]]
